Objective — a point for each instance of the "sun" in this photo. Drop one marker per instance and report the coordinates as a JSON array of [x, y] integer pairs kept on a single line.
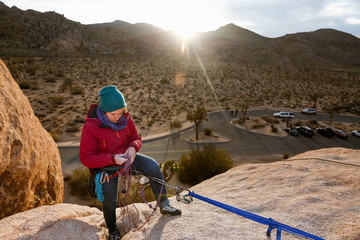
[[185, 32], [185, 17]]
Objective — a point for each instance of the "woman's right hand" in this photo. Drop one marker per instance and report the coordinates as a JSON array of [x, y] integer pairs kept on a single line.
[[120, 159]]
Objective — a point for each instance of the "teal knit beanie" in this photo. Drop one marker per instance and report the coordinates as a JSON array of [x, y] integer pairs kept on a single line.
[[111, 99]]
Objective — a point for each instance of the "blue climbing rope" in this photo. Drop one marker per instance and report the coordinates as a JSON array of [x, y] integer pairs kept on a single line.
[[187, 199], [266, 221]]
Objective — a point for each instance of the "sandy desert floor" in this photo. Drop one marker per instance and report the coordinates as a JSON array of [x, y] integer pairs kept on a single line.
[[161, 89]]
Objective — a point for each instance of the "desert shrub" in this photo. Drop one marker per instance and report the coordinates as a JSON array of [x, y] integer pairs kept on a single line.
[[57, 99], [298, 123], [54, 135], [313, 123], [285, 156], [77, 90], [207, 131], [267, 118], [168, 169], [257, 126], [63, 87], [59, 73], [50, 79], [176, 123], [79, 119], [78, 182], [273, 128], [275, 121], [73, 129], [202, 165], [24, 85], [240, 121], [30, 60], [31, 69]]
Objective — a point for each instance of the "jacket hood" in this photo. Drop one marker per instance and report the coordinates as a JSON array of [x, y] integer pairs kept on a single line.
[[91, 114]]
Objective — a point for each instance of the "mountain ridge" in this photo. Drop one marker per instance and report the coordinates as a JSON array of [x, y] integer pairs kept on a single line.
[[52, 32]]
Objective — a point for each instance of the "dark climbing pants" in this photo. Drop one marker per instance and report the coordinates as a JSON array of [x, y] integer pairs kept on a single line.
[[147, 166]]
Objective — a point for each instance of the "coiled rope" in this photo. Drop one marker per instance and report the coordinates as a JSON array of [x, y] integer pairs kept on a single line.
[[124, 199]]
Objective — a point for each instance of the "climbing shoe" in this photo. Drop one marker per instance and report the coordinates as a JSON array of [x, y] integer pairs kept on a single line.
[[173, 211]]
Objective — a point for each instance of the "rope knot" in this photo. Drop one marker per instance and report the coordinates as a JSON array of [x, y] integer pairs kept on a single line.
[[272, 226], [271, 223]]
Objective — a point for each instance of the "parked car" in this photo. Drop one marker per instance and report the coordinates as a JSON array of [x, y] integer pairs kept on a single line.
[[292, 131], [309, 111], [340, 134], [326, 132], [306, 131], [284, 114], [356, 133], [332, 131]]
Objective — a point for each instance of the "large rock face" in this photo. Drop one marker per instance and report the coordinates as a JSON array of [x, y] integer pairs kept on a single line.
[[317, 192], [30, 167], [59, 221]]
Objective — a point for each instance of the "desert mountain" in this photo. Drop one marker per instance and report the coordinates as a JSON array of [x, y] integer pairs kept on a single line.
[[137, 29], [28, 32]]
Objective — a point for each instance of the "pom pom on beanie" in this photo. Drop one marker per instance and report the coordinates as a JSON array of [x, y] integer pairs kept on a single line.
[[111, 99]]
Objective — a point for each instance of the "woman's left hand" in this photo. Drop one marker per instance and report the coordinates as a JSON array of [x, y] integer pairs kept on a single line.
[[132, 153]]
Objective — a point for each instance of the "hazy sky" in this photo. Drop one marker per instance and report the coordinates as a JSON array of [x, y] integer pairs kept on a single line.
[[269, 18]]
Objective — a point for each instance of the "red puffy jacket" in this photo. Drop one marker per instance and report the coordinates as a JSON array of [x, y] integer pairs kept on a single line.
[[98, 144]]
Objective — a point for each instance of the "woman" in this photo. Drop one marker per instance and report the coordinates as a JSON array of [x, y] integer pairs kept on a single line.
[[108, 134]]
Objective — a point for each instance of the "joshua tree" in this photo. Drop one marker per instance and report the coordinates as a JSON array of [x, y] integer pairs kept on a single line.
[[288, 97], [331, 117], [197, 116], [244, 108], [87, 67], [149, 87], [170, 115], [314, 97]]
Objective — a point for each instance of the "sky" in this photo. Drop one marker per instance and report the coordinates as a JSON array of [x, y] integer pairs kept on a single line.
[[269, 18]]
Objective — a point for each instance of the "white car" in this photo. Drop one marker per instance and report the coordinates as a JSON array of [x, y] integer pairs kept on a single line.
[[356, 133], [309, 111], [284, 115]]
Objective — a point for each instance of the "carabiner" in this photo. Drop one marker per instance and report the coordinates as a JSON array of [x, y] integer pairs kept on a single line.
[[184, 198], [104, 177]]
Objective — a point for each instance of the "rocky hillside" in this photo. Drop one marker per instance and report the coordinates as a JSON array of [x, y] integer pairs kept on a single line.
[[34, 33], [317, 192], [50, 33]]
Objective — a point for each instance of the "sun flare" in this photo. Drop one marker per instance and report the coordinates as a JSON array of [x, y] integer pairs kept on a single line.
[[184, 17], [185, 32]]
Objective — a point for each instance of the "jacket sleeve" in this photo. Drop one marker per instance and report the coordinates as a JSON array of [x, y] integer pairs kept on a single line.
[[135, 140], [89, 156]]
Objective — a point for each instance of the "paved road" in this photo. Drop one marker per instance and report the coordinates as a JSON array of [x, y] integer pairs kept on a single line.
[[244, 145]]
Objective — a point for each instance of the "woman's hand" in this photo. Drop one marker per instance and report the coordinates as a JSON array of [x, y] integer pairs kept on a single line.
[[131, 152], [120, 159]]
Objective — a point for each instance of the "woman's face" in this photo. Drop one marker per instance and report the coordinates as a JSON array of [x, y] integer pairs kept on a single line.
[[115, 115]]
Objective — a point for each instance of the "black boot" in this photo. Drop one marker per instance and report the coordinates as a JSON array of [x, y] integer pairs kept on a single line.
[[114, 235]]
